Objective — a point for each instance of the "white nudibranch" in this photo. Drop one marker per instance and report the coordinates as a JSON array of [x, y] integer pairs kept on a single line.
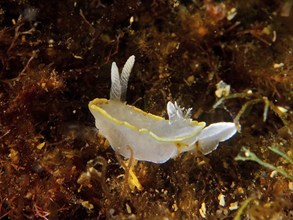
[[148, 137]]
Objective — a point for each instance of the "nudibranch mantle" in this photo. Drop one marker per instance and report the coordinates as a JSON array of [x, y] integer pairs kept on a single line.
[[150, 137]]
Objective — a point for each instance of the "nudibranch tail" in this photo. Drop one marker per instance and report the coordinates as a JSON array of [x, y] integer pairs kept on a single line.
[[119, 83], [210, 136]]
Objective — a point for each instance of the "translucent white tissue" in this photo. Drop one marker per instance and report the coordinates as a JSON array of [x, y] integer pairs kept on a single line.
[[210, 136]]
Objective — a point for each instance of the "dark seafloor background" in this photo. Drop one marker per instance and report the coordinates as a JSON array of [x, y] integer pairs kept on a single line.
[[56, 56]]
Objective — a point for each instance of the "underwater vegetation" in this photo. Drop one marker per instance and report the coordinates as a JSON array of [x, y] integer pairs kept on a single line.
[[230, 61]]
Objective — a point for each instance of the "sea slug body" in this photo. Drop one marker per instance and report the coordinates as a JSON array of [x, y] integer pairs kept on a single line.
[[150, 137]]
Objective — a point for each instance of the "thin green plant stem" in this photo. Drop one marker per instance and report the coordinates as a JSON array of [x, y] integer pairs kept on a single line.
[[282, 154], [242, 207], [267, 105], [266, 108], [242, 110], [232, 96], [252, 157]]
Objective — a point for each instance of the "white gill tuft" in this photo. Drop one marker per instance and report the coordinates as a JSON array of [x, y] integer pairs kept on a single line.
[[119, 83]]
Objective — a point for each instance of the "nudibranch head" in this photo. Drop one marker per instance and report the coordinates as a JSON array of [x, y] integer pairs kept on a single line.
[[150, 137]]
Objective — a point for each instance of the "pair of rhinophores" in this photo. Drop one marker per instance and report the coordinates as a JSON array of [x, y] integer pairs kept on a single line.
[[150, 137]]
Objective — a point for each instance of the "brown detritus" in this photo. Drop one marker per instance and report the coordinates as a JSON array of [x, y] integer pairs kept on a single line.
[[55, 57]]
